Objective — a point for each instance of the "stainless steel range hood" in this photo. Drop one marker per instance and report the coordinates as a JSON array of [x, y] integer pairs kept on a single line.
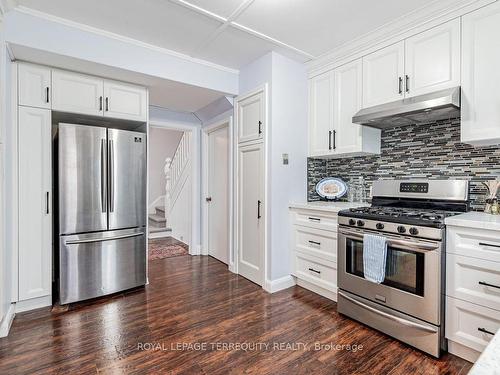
[[426, 108]]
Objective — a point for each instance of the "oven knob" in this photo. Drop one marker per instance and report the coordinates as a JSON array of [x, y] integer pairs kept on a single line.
[[401, 229], [379, 226], [360, 223], [413, 231], [352, 222]]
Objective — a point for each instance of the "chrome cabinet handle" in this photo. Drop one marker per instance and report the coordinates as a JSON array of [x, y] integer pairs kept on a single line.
[[334, 139], [315, 243], [315, 271], [107, 104], [402, 321], [258, 209], [47, 203], [484, 330], [490, 285], [407, 83], [329, 139], [400, 83], [314, 219], [47, 94], [90, 240], [260, 127], [488, 244], [100, 103]]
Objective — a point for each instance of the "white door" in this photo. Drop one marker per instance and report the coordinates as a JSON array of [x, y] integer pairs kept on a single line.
[[347, 101], [125, 101], [383, 75], [77, 93], [251, 208], [480, 100], [432, 59], [321, 114], [34, 85], [217, 199], [251, 117], [35, 209]]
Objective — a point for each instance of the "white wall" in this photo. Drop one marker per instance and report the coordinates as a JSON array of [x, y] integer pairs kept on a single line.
[[162, 144], [287, 133]]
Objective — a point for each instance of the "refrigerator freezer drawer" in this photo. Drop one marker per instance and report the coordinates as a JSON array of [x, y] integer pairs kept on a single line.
[[96, 264]]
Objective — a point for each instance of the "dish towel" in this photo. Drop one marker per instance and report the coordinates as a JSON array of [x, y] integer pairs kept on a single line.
[[374, 257]]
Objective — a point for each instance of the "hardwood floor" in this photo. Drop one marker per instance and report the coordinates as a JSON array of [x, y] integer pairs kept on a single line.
[[196, 300]]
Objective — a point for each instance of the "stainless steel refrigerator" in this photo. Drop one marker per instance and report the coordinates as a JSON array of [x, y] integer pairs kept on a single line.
[[102, 211]]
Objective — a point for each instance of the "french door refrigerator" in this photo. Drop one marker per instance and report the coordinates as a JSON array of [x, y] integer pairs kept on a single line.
[[102, 211]]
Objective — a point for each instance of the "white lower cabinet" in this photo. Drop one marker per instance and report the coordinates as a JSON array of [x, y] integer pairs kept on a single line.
[[314, 250], [472, 290], [35, 203]]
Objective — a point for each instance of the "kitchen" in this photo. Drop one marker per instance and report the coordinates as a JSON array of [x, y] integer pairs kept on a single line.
[[400, 117]]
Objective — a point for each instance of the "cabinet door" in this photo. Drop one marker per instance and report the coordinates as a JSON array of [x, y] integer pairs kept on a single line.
[[35, 212], [251, 117], [432, 59], [77, 93], [251, 210], [383, 73], [34, 85], [347, 101], [321, 114], [480, 100], [125, 101]]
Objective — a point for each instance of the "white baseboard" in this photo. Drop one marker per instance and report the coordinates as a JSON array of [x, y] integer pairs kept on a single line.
[[34, 303], [273, 286], [195, 250], [7, 320], [317, 289], [160, 234], [462, 351]]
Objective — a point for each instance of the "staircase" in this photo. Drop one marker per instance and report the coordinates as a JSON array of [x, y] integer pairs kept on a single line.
[[157, 221]]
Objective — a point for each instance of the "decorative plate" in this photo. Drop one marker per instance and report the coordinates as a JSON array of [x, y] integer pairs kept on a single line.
[[331, 188]]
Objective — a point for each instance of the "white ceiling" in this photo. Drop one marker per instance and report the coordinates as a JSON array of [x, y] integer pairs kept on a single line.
[[234, 32]]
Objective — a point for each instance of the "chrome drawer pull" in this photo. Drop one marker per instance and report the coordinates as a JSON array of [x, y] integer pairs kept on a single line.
[[313, 270], [315, 243], [314, 219], [488, 244], [486, 284], [484, 330]]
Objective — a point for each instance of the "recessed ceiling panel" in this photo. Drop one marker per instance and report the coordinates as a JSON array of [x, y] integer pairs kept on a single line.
[[157, 22], [321, 25]]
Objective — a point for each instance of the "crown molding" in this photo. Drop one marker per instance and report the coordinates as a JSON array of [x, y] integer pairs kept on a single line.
[[7, 5], [433, 14], [121, 38]]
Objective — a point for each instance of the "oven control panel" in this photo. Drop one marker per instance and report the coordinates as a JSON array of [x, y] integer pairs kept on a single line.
[[414, 187]]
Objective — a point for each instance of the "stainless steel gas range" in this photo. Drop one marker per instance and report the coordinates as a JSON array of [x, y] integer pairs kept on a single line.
[[409, 303]]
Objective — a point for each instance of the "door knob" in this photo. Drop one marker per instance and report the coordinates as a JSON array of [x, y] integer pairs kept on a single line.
[[208, 199]]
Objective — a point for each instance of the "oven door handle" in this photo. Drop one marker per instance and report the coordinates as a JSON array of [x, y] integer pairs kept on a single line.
[[399, 244], [399, 320]]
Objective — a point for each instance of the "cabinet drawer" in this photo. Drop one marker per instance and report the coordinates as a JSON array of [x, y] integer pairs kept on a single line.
[[315, 219], [316, 271], [476, 243], [473, 280], [316, 242], [466, 323]]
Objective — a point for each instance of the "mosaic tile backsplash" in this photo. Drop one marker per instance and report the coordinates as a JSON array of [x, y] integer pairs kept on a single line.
[[430, 151]]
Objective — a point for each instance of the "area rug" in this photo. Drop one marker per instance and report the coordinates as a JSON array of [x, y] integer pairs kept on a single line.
[[161, 248]]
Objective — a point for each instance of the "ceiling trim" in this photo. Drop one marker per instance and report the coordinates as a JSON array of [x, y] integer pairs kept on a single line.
[[230, 22], [121, 38], [412, 23]]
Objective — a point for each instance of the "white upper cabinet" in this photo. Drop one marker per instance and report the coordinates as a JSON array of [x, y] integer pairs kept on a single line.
[[349, 138], [77, 93], [321, 115], [432, 59], [334, 98], [480, 100], [383, 75], [251, 116], [125, 101], [34, 85]]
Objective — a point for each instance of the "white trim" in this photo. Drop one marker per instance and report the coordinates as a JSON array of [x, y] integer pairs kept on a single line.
[[206, 130], [32, 304], [273, 286], [7, 320], [421, 19], [121, 38], [317, 289], [14, 184]]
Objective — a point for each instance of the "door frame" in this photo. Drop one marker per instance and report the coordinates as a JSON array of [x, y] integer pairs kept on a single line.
[[206, 130]]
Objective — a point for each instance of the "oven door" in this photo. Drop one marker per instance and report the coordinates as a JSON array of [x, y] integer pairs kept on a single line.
[[412, 282]]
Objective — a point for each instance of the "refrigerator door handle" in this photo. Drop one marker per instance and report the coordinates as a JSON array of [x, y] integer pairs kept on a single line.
[[90, 240], [104, 202], [111, 179]]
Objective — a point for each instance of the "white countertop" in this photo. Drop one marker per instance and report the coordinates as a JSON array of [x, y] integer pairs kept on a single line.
[[478, 220], [326, 206], [489, 361]]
